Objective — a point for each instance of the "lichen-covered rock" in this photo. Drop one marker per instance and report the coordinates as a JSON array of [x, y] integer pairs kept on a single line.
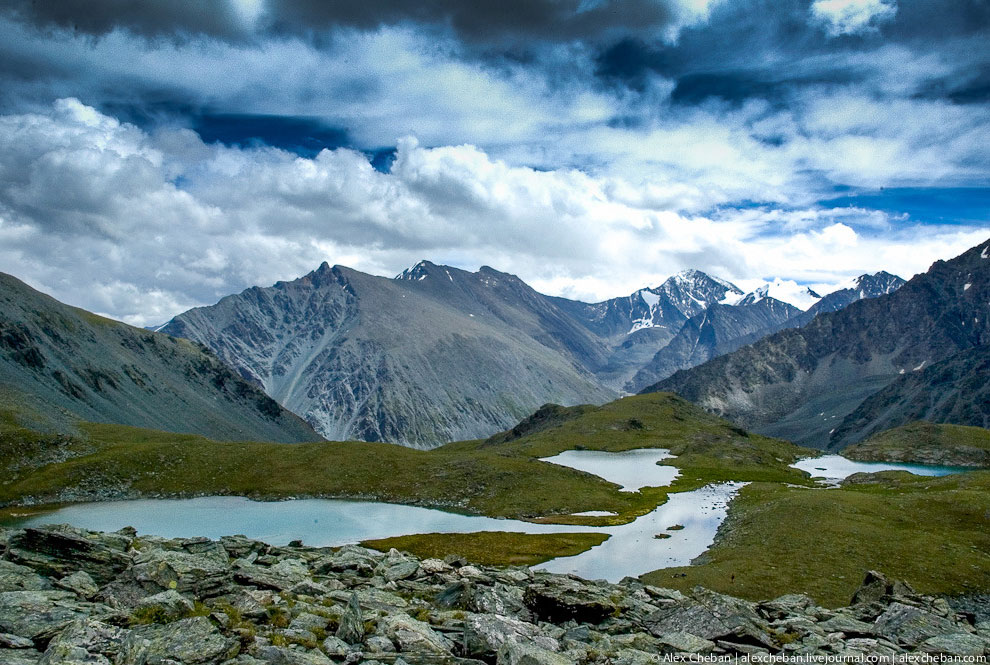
[[273, 605], [713, 616], [519, 653], [956, 644], [20, 578], [910, 626], [20, 656], [351, 628], [284, 656], [81, 583], [558, 599], [681, 642], [36, 614], [170, 603], [415, 636], [193, 641], [61, 549], [484, 634], [201, 575], [85, 641]]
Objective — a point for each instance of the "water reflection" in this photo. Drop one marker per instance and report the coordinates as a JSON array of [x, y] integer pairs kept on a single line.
[[633, 469]]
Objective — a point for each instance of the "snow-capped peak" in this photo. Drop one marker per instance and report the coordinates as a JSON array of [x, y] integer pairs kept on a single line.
[[418, 272], [785, 290]]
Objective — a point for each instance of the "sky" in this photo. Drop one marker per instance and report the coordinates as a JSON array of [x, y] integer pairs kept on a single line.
[[158, 155]]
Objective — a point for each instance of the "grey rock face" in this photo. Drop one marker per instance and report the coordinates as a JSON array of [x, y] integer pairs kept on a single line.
[[62, 549], [325, 346], [516, 653], [484, 634]]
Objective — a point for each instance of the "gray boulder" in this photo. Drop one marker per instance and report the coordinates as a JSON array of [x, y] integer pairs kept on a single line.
[[283, 656], [19, 656], [484, 634], [85, 641], [36, 614], [414, 636], [14, 577], [520, 653], [713, 616], [169, 603], [958, 645], [80, 583], [877, 587], [61, 549], [201, 575], [351, 627], [558, 599], [910, 626], [681, 642], [192, 641]]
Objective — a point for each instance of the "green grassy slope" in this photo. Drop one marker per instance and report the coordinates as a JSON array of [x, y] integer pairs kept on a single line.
[[931, 532], [926, 443]]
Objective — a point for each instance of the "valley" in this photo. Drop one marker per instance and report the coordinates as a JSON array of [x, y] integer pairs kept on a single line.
[[698, 499]]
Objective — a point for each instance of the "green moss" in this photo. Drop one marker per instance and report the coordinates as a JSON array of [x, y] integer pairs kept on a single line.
[[493, 547]]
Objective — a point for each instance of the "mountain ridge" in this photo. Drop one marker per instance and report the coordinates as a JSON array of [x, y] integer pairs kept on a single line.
[[799, 383]]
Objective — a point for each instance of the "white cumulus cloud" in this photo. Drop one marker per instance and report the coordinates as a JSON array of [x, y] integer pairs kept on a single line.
[[842, 17]]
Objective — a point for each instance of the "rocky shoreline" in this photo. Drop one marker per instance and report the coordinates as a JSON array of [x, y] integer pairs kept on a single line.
[[70, 596]]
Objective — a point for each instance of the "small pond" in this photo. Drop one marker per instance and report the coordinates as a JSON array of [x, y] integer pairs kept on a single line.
[[632, 469], [836, 467]]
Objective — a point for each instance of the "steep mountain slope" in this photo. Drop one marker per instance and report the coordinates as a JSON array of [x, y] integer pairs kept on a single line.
[[637, 326], [718, 330], [864, 286], [955, 390], [69, 364], [436, 354], [801, 383]]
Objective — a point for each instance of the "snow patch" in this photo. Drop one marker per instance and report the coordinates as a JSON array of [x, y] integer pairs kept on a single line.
[[966, 287], [983, 254], [919, 367], [595, 513], [731, 298], [651, 299]]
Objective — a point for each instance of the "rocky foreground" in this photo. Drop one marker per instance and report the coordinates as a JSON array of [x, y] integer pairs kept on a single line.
[[69, 596]]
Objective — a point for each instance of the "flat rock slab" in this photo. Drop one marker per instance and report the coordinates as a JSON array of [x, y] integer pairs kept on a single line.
[[910, 626]]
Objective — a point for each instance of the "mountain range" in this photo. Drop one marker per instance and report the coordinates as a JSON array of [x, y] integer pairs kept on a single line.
[[60, 365], [439, 354], [919, 352]]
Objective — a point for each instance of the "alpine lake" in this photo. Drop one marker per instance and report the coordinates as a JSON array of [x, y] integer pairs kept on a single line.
[[671, 535]]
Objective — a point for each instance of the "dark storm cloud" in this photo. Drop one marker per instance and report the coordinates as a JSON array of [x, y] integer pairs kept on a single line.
[[481, 20], [152, 18]]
